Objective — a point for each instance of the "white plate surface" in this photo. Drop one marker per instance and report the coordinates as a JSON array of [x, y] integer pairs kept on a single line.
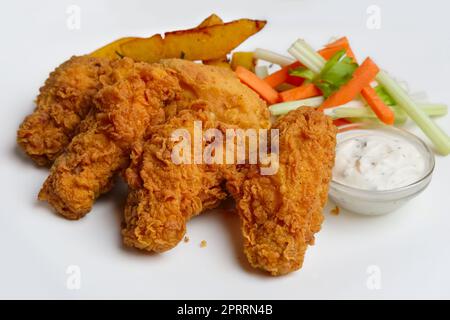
[[402, 255]]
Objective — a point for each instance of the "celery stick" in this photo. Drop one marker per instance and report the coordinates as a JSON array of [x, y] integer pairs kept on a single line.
[[434, 109], [439, 138], [305, 59], [356, 120], [302, 45], [307, 56], [356, 109], [261, 71], [400, 115], [272, 57], [284, 107]]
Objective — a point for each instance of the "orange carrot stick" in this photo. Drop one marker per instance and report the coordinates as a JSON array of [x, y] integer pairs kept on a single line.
[[283, 76], [338, 45], [306, 90], [260, 86], [383, 112], [295, 81], [362, 77], [338, 42], [280, 76], [340, 122]]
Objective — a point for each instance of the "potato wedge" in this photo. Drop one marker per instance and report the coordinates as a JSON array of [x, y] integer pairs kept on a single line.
[[206, 43], [145, 49], [243, 59], [212, 20], [210, 42], [112, 50], [222, 62]]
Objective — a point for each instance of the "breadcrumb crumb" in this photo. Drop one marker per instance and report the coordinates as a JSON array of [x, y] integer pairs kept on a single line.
[[203, 244], [186, 239], [335, 211]]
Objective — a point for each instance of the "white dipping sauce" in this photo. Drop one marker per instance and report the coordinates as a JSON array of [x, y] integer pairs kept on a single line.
[[378, 162]]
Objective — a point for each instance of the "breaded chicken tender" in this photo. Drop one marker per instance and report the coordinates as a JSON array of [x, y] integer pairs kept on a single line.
[[123, 112], [140, 97], [219, 91], [164, 195], [63, 102], [281, 213]]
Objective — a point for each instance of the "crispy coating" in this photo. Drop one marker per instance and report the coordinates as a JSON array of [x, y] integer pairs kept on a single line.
[[140, 97], [61, 105], [164, 195], [280, 213], [123, 112], [219, 91], [130, 112]]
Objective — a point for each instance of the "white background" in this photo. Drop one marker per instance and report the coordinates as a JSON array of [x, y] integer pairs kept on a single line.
[[410, 247]]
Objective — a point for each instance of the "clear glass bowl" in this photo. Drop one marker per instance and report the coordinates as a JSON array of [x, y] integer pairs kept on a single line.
[[369, 202]]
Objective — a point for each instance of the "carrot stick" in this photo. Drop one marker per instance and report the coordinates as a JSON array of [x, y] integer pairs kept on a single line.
[[338, 42], [260, 86], [306, 90], [340, 122], [342, 43], [362, 77], [383, 112], [295, 81], [280, 76], [327, 53], [338, 45]]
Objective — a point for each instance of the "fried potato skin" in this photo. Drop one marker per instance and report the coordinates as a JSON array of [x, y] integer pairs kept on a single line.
[[63, 102], [207, 43], [112, 50], [211, 20]]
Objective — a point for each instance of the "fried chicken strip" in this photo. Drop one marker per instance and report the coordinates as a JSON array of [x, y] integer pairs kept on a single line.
[[123, 112], [63, 102], [219, 91], [280, 213], [163, 195], [141, 96]]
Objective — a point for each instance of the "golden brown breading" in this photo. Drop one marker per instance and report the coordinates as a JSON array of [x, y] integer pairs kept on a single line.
[[127, 109], [61, 105], [164, 195], [280, 213], [218, 90], [123, 112]]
